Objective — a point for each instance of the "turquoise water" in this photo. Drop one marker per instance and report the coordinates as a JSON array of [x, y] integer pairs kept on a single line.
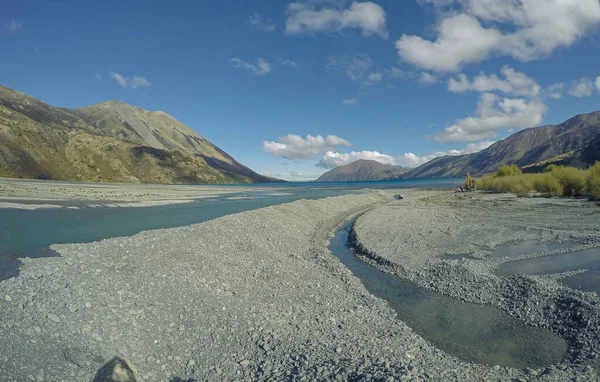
[[472, 332], [30, 232]]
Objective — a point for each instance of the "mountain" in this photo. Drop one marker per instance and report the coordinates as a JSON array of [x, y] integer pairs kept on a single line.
[[363, 170], [110, 142], [575, 136]]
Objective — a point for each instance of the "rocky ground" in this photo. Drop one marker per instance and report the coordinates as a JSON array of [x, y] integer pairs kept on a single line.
[[254, 296], [413, 237], [32, 194]]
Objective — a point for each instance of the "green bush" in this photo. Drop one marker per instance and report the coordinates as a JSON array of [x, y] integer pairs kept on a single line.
[[548, 184], [573, 180], [593, 181], [522, 185], [506, 170]]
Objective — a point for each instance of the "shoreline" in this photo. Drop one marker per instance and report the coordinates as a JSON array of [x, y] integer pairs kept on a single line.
[[250, 296], [32, 194]]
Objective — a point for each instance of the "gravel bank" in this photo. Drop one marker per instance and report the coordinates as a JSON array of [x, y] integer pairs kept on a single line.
[[247, 297], [31, 194], [411, 238]]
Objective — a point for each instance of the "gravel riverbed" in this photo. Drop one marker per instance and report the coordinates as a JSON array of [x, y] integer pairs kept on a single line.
[[413, 236], [254, 296]]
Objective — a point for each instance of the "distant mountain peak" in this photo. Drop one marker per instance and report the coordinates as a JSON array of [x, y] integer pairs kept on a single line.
[[363, 170]]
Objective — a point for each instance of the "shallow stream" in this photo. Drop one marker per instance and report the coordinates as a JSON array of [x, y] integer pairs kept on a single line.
[[472, 332]]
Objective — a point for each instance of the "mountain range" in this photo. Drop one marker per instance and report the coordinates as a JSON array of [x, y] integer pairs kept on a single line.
[[363, 170], [574, 142], [110, 142]]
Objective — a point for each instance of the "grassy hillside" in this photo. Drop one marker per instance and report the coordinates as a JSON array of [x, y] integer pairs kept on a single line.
[[110, 142]]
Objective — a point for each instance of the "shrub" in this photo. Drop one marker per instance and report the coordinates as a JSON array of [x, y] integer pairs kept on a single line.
[[522, 185], [486, 182], [506, 170], [593, 181], [548, 184], [571, 179]]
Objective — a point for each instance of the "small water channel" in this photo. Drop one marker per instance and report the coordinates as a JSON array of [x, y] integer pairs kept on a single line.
[[472, 332], [531, 246], [572, 261]]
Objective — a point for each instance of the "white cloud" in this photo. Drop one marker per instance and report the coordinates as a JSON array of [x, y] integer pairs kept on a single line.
[[260, 23], [427, 78], [357, 67], [413, 160], [422, 77], [514, 82], [306, 17], [374, 77], [350, 101], [494, 114], [533, 29], [133, 83], [555, 91], [334, 159], [14, 25], [582, 88], [260, 68], [290, 63], [597, 83], [295, 147]]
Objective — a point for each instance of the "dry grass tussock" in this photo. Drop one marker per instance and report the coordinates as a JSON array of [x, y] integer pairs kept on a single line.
[[555, 181]]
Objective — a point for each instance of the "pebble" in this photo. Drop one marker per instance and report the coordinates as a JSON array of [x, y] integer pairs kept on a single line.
[[53, 317], [7, 298]]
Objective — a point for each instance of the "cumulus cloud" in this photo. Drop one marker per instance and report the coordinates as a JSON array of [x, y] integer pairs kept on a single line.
[[555, 91], [494, 114], [515, 83], [582, 88], [261, 66], [14, 25], [295, 147], [126, 82], [334, 159], [260, 23], [308, 18], [414, 160], [523, 29]]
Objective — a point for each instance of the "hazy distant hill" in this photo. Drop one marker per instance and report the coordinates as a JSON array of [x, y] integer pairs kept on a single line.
[[111, 141], [576, 136], [363, 170]]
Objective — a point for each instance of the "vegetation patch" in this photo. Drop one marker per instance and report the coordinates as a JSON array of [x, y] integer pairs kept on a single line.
[[554, 181]]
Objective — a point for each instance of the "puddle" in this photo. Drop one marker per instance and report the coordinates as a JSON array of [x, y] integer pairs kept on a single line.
[[526, 247], [545, 265], [472, 332], [588, 281]]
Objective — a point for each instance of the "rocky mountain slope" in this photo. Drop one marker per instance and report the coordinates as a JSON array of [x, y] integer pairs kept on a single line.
[[363, 170], [534, 145], [110, 142]]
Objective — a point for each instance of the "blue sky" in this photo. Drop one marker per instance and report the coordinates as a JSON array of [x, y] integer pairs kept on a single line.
[[396, 81]]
